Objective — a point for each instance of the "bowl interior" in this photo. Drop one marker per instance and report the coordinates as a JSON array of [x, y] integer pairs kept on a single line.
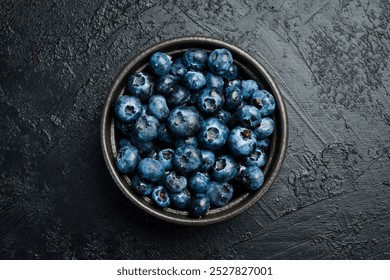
[[248, 69]]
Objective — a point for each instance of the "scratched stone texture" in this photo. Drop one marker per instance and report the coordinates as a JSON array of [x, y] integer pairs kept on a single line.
[[331, 60]]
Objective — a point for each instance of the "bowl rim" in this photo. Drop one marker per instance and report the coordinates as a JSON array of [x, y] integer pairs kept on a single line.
[[105, 128]]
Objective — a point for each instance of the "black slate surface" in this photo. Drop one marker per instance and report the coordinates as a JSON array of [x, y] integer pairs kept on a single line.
[[331, 60]]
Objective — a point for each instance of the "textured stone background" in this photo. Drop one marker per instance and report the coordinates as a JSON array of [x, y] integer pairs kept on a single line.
[[331, 59]]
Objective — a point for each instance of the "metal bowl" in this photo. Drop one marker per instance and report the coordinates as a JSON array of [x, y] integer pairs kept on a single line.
[[249, 68]]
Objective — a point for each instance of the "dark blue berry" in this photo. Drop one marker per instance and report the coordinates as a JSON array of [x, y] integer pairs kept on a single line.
[[265, 128], [225, 168], [158, 107], [248, 87], [174, 182], [210, 100], [233, 83], [231, 73], [165, 157], [264, 101], [208, 160], [219, 61], [160, 197], [214, 81], [160, 63], [253, 178], [127, 159], [128, 108], [257, 157], [124, 142], [125, 128], [188, 141], [164, 136], [263, 143], [199, 205], [195, 59], [180, 96], [146, 128], [213, 134], [242, 141], [194, 80], [249, 116], [187, 159], [166, 84], [199, 183], [233, 97], [178, 69], [223, 116], [141, 186], [140, 85], [183, 122], [219, 193], [180, 200], [150, 169]]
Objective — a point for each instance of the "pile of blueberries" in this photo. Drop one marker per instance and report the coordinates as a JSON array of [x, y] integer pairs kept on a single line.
[[191, 128]]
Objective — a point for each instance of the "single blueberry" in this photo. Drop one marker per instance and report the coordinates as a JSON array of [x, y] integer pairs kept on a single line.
[[223, 116], [225, 168], [125, 128], [264, 101], [249, 116], [146, 128], [236, 83], [253, 178], [199, 183], [160, 197], [174, 182], [219, 61], [124, 142], [242, 141], [187, 159], [265, 128], [127, 159], [210, 100], [150, 169], [158, 107], [199, 205], [160, 63], [178, 69], [219, 193], [179, 96], [166, 84], [195, 59], [231, 73], [214, 81], [194, 80], [164, 136], [208, 160], [128, 108], [213, 134], [144, 147], [257, 157], [248, 87], [233, 97], [188, 141], [183, 122], [140, 85], [140, 186], [165, 157], [181, 200], [263, 144]]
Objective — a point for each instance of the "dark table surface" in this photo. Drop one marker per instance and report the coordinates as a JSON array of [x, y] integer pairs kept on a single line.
[[330, 59]]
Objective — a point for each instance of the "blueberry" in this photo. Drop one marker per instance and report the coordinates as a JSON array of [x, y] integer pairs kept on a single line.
[[264, 101], [214, 81], [242, 141], [165, 157], [195, 59], [128, 108], [174, 182], [210, 100], [140, 85], [233, 83], [179, 96], [199, 205], [240, 173], [183, 122], [181, 200], [164, 136], [225, 168], [208, 160], [166, 84], [220, 193], [213, 134], [263, 143], [188, 141], [124, 142], [219, 61], [265, 128], [194, 80], [248, 87], [140, 186], [150, 169], [187, 159], [223, 116], [257, 157], [233, 97], [125, 128], [127, 159], [178, 69], [249, 116], [146, 128], [153, 154], [231, 73], [144, 147], [158, 107], [160, 197], [160, 63], [199, 183], [253, 178]]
